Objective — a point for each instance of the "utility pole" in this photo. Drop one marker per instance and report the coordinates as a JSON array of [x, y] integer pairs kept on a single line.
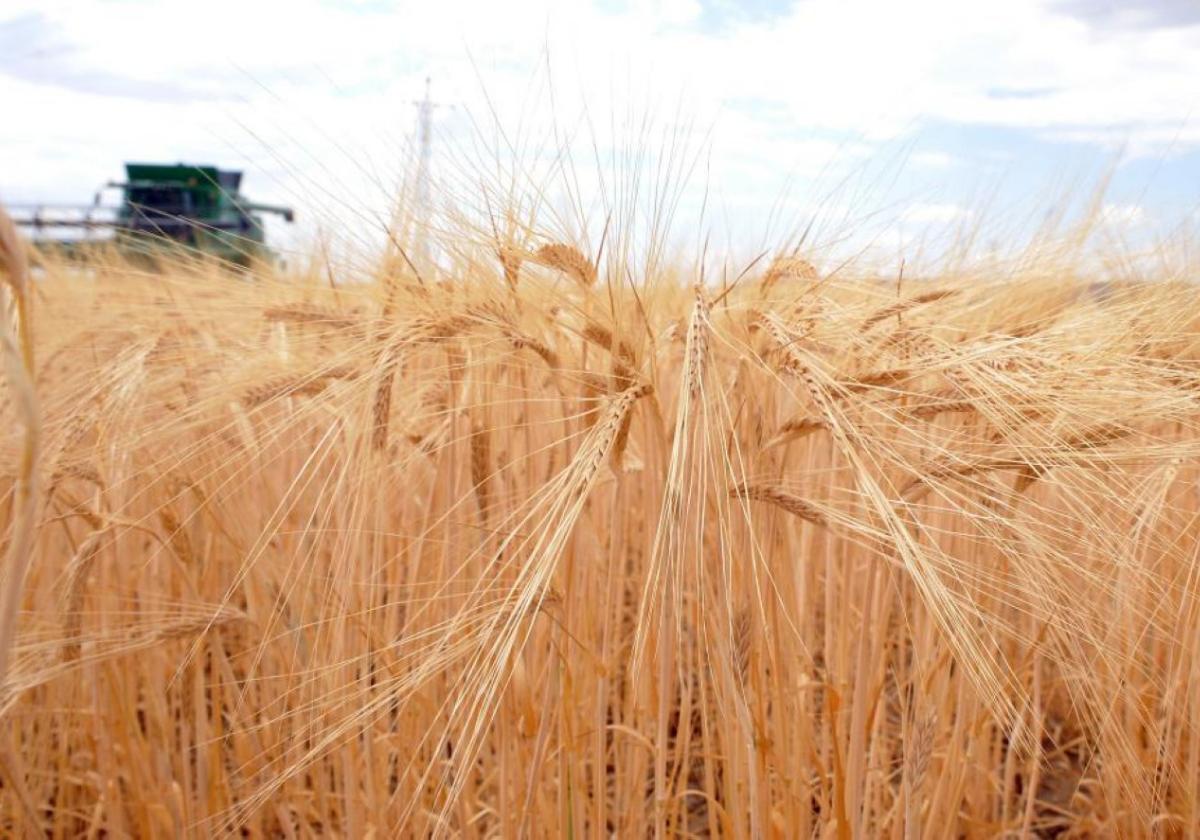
[[423, 201], [425, 145]]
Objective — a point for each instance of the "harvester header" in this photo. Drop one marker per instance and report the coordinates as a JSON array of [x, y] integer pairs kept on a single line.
[[197, 208]]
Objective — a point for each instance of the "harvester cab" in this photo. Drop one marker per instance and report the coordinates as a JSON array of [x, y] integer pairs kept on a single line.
[[193, 209]]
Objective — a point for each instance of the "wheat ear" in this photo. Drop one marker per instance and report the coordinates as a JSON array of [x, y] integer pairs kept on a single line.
[[780, 498], [481, 468], [569, 260], [510, 261], [903, 306], [787, 268], [307, 314]]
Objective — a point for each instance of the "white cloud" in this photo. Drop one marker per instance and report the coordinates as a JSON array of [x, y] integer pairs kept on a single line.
[[1012, 63], [1124, 215], [933, 160], [942, 214]]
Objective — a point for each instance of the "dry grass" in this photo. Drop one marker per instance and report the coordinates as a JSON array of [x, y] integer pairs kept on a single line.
[[491, 554]]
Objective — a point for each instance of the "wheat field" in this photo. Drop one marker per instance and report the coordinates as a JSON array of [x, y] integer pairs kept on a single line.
[[548, 542]]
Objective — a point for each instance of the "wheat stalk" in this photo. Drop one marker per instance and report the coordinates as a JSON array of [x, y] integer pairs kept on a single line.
[[19, 370]]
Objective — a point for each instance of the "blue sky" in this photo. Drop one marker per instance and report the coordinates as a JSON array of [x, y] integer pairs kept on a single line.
[[893, 123]]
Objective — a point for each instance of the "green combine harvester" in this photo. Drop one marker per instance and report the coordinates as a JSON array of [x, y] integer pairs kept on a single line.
[[165, 209]]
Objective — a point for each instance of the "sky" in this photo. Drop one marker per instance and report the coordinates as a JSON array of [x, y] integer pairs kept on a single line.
[[880, 124]]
